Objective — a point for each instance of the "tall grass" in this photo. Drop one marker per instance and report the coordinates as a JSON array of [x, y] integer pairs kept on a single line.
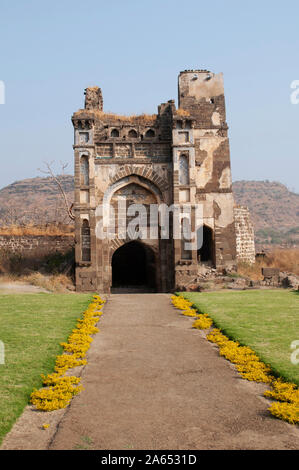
[[122, 117], [182, 112], [50, 230], [60, 283], [284, 259], [52, 282], [132, 117]]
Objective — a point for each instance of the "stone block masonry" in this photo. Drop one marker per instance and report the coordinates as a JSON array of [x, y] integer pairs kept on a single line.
[[29, 246], [245, 246], [177, 156]]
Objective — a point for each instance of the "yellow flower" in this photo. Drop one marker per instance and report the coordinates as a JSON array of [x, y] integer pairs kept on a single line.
[[248, 365], [59, 389], [203, 322], [286, 411]]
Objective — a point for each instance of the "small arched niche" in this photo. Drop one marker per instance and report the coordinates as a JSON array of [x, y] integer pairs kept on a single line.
[[85, 241], [150, 133], [132, 134], [186, 254], [184, 170], [205, 245], [114, 133], [84, 170]]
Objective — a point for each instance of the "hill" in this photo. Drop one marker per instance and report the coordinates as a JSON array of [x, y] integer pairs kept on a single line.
[[274, 209], [35, 200]]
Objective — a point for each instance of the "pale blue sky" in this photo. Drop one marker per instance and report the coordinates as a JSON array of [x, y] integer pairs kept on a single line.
[[134, 50]]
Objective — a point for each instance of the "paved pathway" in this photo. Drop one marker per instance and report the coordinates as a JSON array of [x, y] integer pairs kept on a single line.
[[152, 382]]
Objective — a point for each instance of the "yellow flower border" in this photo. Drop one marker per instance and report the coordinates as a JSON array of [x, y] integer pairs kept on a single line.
[[247, 363], [59, 389]]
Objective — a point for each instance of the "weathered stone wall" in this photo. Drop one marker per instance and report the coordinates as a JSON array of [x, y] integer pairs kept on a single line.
[[177, 156], [245, 246], [202, 117], [202, 93], [29, 246], [120, 152]]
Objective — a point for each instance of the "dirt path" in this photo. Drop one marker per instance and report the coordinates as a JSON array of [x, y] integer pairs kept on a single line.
[[152, 382], [16, 287]]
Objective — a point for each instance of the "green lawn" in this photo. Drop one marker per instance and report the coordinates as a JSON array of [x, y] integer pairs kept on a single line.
[[265, 320], [31, 328]]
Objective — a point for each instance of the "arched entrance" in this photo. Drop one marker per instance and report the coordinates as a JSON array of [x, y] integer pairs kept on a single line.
[[206, 252], [134, 267]]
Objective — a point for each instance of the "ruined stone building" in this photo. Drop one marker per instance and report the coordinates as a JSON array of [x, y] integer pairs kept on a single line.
[[177, 156]]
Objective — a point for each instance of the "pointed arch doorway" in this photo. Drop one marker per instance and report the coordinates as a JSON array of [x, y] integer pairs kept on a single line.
[[134, 268], [206, 243]]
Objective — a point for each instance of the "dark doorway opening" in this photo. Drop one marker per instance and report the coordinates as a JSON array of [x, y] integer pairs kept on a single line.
[[133, 268], [205, 239]]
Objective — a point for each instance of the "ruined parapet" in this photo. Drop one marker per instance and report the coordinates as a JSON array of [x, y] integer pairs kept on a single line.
[[93, 98], [245, 246], [202, 94], [200, 137], [271, 276]]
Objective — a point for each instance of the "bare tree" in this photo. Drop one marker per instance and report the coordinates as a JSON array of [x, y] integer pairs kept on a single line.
[[56, 178]]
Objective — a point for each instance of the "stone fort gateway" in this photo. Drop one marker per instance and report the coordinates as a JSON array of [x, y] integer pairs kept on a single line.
[[176, 157]]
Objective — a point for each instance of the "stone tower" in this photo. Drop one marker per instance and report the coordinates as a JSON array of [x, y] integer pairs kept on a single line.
[[177, 156]]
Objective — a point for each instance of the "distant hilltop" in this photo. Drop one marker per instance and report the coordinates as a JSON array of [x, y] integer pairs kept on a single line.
[[274, 209]]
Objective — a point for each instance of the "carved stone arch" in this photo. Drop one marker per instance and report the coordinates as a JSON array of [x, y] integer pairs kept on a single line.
[[84, 153], [145, 172], [117, 243], [133, 178], [105, 206]]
